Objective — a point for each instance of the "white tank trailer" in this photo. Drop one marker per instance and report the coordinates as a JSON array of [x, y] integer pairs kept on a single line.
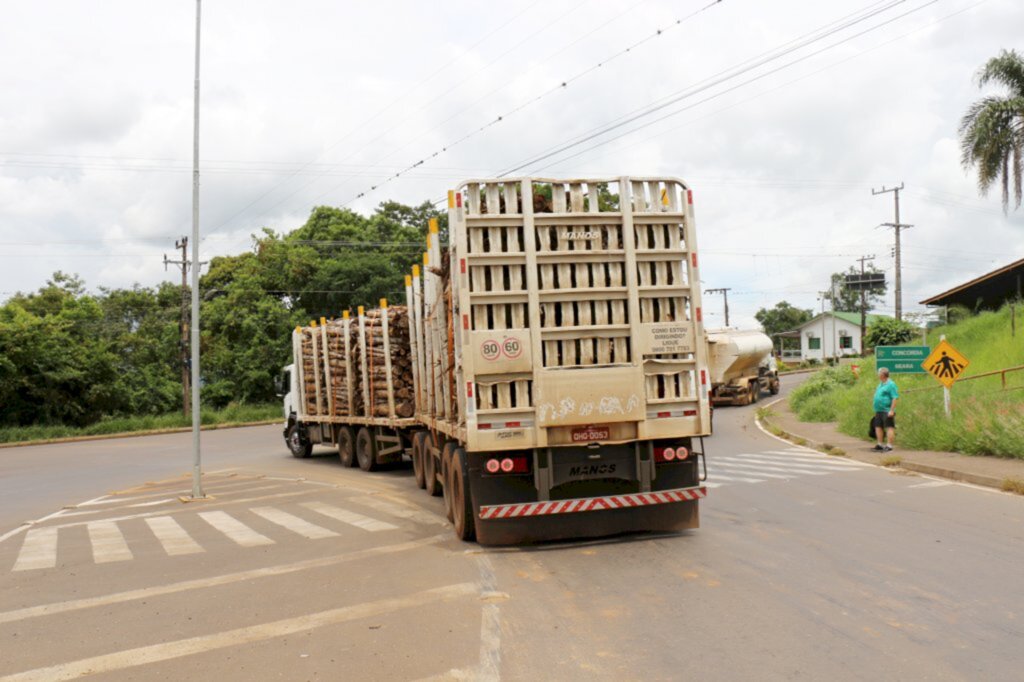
[[742, 366]]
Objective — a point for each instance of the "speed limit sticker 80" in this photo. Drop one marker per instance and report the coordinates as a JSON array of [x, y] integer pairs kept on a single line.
[[491, 350]]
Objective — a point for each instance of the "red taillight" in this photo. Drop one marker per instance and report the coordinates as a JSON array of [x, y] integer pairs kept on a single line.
[[507, 465], [662, 454]]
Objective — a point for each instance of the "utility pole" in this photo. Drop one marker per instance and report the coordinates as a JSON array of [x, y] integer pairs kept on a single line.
[[197, 467], [822, 295], [183, 325], [896, 226], [725, 297], [863, 302]]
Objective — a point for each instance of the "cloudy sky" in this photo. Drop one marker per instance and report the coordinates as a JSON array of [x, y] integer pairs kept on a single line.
[[782, 116]]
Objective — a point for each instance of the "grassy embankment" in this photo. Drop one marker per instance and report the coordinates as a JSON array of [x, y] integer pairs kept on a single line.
[[986, 420], [232, 414]]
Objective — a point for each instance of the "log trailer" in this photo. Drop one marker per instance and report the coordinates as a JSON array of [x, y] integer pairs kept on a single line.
[[559, 377]]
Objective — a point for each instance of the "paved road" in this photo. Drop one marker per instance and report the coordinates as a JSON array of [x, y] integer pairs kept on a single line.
[[806, 566]]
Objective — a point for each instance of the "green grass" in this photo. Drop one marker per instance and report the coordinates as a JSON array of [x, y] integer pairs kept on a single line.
[[985, 421], [229, 415]]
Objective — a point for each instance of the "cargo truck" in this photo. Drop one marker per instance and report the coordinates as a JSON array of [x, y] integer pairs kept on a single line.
[[558, 382], [742, 366]]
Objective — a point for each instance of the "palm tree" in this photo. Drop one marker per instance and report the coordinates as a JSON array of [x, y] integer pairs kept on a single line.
[[992, 130]]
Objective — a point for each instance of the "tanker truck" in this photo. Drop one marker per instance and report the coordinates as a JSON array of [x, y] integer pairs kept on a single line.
[[742, 366]]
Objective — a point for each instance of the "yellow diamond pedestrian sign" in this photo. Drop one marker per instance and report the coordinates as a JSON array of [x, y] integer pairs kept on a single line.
[[945, 363]]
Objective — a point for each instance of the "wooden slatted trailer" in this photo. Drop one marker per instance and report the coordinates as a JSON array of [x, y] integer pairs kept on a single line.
[[557, 363]]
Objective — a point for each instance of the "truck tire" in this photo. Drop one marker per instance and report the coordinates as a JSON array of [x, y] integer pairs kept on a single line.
[[447, 452], [773, 387], [462, 500], [430, 466], [347, 446], [419, 441], [365, 451], [755, 391], [298, 443]]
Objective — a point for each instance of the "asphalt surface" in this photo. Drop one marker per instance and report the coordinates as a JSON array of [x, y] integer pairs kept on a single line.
[[806, 566]]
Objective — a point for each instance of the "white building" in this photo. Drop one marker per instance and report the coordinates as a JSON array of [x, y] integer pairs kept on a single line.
[[828, 335]]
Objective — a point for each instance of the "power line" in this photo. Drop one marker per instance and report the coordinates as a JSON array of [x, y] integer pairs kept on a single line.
[[561, 86], [696, 89]]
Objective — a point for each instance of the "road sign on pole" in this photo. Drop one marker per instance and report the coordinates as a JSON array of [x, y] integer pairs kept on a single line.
[[901, 359], [945, 363]]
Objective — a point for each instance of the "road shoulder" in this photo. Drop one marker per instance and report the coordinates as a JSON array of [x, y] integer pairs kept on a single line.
[[991, 472]]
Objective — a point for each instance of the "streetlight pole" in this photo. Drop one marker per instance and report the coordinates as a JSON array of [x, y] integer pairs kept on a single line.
[[197, 466], [725, 297]]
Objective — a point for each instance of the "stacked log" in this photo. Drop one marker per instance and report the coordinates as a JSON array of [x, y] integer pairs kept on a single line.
[[401, 362], [309, 373], [338, 362]]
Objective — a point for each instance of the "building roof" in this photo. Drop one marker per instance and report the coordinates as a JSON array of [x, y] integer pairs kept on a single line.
[[989, 291], [852, 318]]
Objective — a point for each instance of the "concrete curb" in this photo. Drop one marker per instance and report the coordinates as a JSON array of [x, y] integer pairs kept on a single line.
[[134, 434], [800, 371], [928, 469]]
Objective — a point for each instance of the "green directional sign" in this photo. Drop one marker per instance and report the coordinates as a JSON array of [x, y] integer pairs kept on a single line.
[[902, 359]]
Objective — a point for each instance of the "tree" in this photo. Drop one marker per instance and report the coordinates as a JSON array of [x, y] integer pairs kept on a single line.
[[992, 130], [847, 299], [782, 317], [888, 331]]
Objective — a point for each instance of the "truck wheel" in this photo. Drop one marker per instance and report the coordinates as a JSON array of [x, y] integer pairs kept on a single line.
[[298, 443], [755, 391], [462, 500], [347, 446], [446, 473], [365, 450], [419, 440], [432, 486], [773, 387]]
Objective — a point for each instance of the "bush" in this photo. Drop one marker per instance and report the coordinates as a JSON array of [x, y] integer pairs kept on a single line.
[[815, 399], [889, 331]]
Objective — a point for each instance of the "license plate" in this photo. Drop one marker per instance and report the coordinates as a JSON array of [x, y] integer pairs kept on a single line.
[[588, 434]]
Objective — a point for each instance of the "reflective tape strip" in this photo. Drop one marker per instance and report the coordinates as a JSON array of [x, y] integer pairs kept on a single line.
[[508, 511]]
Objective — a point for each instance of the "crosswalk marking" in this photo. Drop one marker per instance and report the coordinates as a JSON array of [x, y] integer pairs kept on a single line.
[[38, 551], [760, 465], [735, 479], [400, 511], [108, 543], [811, 455], [293, 523], [175, 540], [346, 516], [235, 529], [773, 465]]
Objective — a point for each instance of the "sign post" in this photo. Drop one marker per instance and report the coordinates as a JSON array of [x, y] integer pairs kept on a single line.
[[945, 364], [901, 359]]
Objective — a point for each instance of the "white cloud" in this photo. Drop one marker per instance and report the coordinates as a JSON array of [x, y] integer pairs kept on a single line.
[[95, 127]]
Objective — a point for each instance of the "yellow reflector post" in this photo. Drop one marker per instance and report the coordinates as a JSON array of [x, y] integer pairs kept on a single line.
[[426, 259], [360, 311], [384, 303], [433, 225], [408, 280], [415, 271], [344, 315], [323, 321], [451, 198]]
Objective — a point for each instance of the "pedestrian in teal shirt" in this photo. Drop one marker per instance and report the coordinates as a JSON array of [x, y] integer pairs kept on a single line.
[[886, 395]]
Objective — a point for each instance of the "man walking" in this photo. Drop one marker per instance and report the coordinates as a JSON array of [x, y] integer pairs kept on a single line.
[[886, 396]]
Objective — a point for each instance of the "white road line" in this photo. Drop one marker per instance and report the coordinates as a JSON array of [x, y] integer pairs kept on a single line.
[[202, 583], [38, 551], [173, 537], [235, 529], [711, 484], [713, 470], [736, 479], [153, 503], [167, 651], [816, 457], [399, 511], [346, 516], [781, 461], [781, 466], [294, 523], [107, 542], [931, 484]]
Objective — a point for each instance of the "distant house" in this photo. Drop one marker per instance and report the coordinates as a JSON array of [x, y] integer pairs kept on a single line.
[[828, 335], [988, 292]]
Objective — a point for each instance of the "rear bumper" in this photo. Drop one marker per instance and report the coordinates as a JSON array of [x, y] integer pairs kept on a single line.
[[591, 504]]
